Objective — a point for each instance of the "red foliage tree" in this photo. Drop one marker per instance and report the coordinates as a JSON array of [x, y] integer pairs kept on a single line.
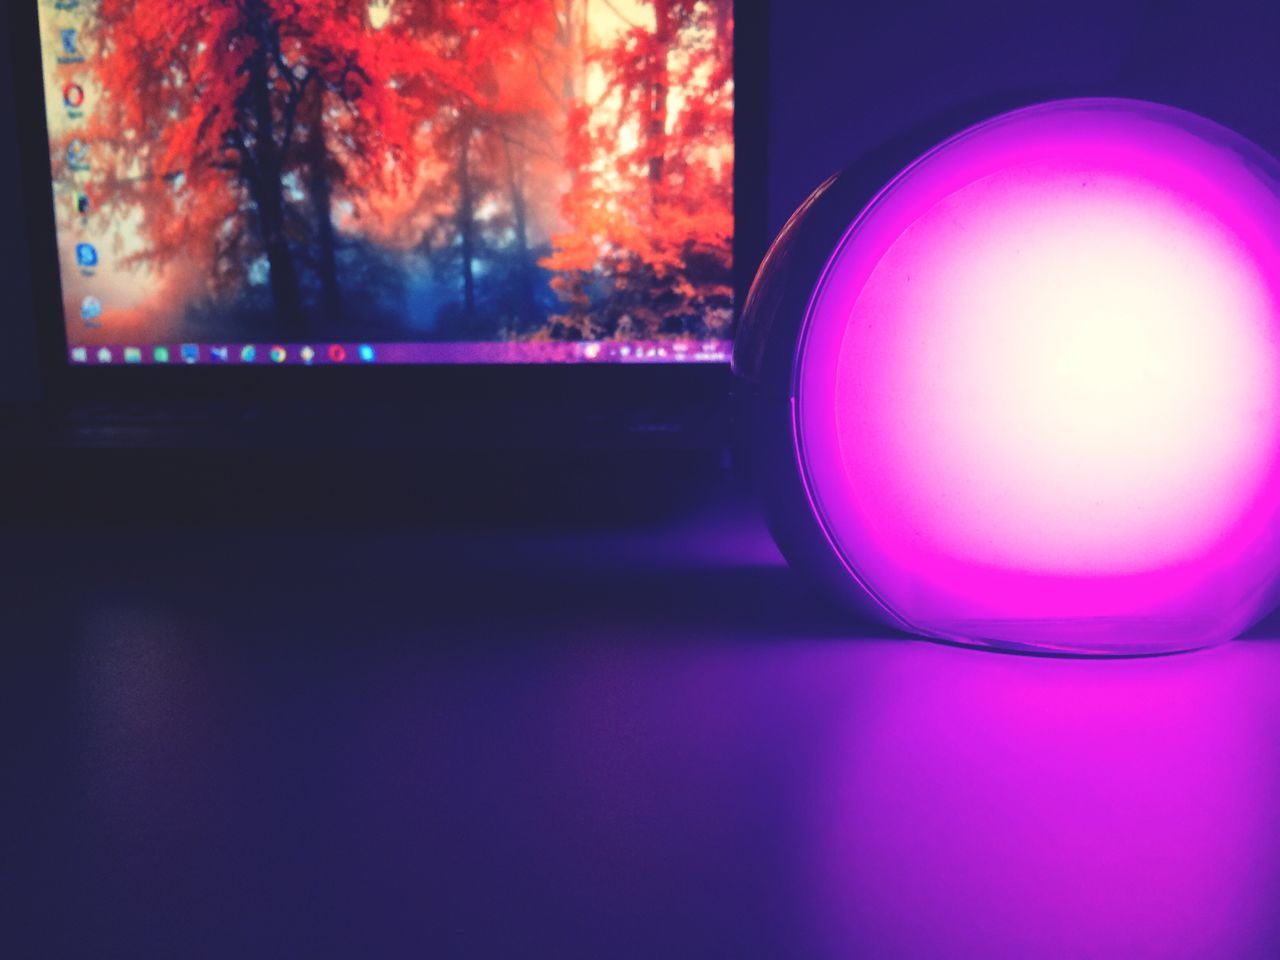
[[213, 109], [486, 106], [650, 207]]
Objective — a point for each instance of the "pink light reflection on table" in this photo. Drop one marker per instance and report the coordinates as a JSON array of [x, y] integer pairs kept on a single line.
[[980, 806]]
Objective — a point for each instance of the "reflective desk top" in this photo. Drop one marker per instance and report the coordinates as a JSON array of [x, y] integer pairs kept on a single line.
[[598, 743]]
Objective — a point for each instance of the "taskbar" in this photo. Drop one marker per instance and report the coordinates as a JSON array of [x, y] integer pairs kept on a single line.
[[672, 351], [358, 354]]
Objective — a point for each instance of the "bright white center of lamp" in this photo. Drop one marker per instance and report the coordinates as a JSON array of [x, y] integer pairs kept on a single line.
[[1059, 371]]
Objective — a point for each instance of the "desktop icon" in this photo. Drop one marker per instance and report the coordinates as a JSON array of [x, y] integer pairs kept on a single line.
[[132, 355], [83, 204], [337, 353], [190, 353], [86, 256], [248, 353], [79, 355], [104, 355], [69, 46], [160, 354], [366, 353], [278, 354], [90, 308], [307, 354], [73, 96], [78, 155], [219, 354]]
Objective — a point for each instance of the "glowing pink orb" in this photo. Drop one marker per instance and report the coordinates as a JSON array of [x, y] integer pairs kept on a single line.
[[1036, 389]]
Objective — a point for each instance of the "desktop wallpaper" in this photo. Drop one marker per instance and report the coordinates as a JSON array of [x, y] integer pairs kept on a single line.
[[522, 173]]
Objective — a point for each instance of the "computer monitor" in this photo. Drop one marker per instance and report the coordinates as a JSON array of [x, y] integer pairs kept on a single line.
[[254, 184]]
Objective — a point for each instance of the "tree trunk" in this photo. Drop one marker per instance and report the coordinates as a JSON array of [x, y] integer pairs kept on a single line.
[[265, 185], [658, 88], [723, 19], [572, 37], [520, 214], [467, 224], [322, 204]]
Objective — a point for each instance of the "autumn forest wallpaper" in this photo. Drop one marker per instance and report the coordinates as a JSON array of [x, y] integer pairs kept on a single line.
[[393, 170]]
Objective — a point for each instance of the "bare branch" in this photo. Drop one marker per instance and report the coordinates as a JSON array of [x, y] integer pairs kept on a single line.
[[620, 15]]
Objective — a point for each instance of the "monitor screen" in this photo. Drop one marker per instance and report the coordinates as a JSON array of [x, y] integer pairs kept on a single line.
[[392, 181]]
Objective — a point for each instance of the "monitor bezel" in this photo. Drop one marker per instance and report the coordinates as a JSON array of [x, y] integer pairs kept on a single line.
[[426, 382]]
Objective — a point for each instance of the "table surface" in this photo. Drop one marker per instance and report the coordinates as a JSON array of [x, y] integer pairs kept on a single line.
[[599, 743]]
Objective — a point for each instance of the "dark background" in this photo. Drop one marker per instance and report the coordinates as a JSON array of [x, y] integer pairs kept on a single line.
[[317, 730], [849, 76]]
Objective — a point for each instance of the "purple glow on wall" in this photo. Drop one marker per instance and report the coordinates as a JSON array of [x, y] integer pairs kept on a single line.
[[1038, 390]]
